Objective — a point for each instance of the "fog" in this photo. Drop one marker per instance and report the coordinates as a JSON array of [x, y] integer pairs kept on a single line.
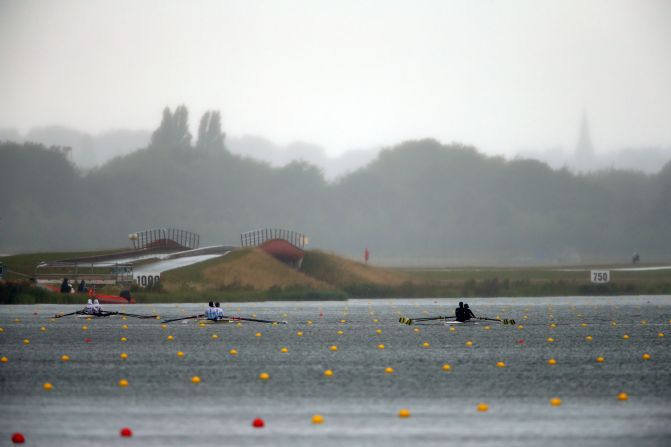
[[509, 77]]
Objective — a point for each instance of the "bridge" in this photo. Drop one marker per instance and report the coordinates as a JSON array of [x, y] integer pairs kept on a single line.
[[164, 238], [285, 245]]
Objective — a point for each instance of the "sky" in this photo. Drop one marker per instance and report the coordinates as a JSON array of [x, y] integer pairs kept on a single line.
[[504, 76]]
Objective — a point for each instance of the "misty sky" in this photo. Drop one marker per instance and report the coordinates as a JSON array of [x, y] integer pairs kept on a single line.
[[502, 75]]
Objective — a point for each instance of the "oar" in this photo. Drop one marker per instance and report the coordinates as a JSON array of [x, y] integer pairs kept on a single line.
[[406, 320], [253, 319], [136, 315], [504, 321], [65, 315], [184, 318]]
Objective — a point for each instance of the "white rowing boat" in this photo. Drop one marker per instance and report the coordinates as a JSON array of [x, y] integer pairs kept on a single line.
[[462, 323], [105, 315]]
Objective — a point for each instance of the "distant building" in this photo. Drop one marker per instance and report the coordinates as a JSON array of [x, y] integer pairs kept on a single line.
[[584, 151]]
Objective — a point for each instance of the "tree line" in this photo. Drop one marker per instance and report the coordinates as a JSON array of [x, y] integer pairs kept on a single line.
[[419, 201]]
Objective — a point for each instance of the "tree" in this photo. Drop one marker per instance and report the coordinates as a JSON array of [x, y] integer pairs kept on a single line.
[[174, 129], [210, 136]]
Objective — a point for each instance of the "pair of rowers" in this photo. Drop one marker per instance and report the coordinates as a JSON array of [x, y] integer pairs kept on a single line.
[[93, 307], [214, 312], [463, 312]]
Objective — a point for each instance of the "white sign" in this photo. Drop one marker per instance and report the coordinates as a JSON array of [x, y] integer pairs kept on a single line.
[[600, 276], [147, 279]]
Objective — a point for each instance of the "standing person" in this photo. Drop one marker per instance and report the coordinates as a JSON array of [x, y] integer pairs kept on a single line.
[[220, 311], [468, 313], [459, 312]]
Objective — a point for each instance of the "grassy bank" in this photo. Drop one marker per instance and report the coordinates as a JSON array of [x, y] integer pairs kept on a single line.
[[252, 275]]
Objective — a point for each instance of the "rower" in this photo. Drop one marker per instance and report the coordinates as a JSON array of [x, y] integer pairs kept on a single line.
[[210, 312], [459, 312], [220, 311], [468, 313], [88, 310], [97, 308]]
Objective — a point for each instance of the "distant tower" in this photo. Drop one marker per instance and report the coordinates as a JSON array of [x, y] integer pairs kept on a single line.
[[584, 151]]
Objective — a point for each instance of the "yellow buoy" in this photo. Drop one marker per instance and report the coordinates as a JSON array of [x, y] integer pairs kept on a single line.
[[180, 354], [343, 321], [589, 338], [553, 325], [600, 359], [3, 359], [214, 336], [317, 419], [258, 334], [389, 370], [625, 336], [65, 357], [123, 355], [170, 337], [446, 367], [3, 330], [26, 341], [376, 321], [482, 407], [123, 383], [378, 331], [623, 396], [552, 362], [340, 332], [264, 376], [125, 326], [583, 324], [284, 350], [164, 326], [551, 340], [233, 352], [47, 386], [661, 334], [43, 329], [646, 356], [418, 330], [404, 413], [425, 344], [333, 348], [195, 379], [519, 326], [469, 343], [299, 333], [201, 324], [487, 328], [124, 339], [501, 364], [555, 401], [85, 328], [380, 346]]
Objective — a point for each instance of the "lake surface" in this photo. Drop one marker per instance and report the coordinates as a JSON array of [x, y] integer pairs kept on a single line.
[[360, 402]]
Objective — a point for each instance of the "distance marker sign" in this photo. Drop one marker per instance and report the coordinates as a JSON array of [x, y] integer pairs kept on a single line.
[[599, 276]]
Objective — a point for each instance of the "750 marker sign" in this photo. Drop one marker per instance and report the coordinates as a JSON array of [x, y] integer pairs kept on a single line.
[[600, 276]]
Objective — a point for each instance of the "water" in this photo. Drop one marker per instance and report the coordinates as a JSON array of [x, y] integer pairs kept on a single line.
[[360, 402]]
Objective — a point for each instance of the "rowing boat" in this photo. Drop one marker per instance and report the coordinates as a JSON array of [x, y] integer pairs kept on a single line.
[[206, 321], [464, 323], [83, 315]]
